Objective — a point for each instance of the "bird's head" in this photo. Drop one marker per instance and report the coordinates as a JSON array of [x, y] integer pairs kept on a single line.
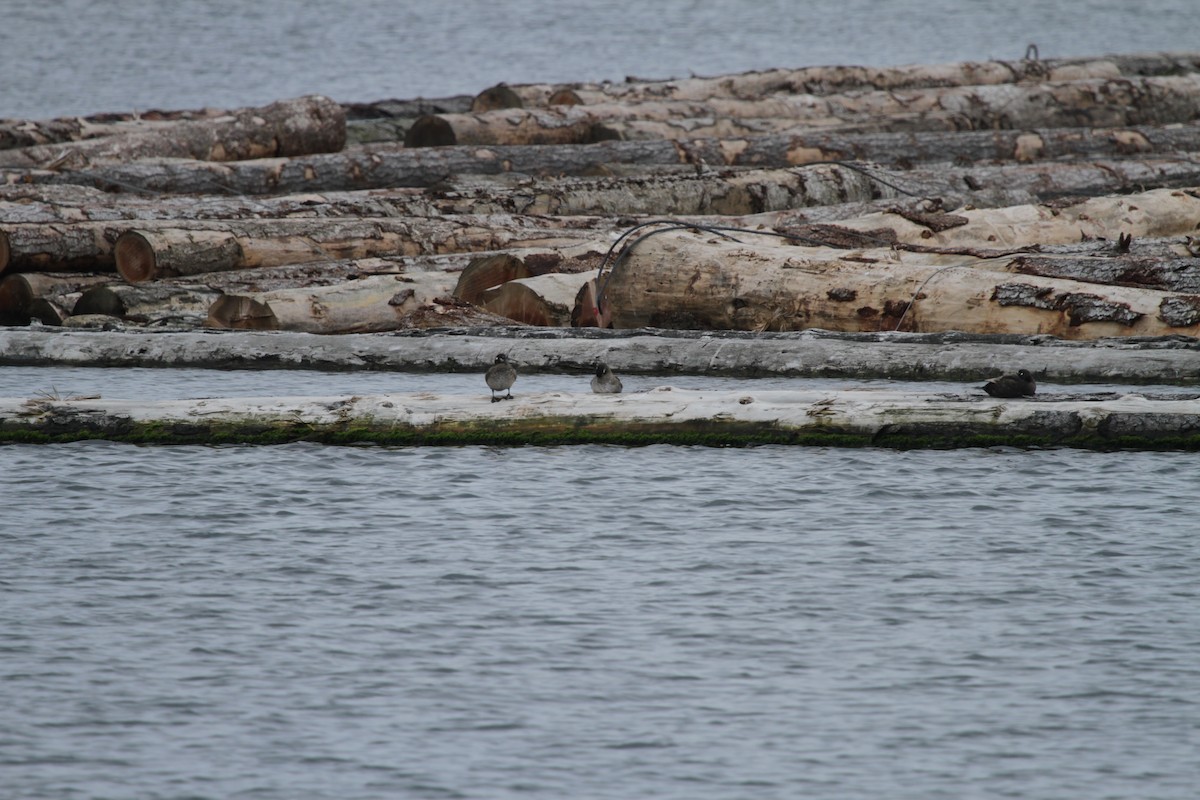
[[601, 368], [1024, 375], [501, 359]]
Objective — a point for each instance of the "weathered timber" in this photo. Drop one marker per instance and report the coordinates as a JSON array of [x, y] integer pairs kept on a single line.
[[312, 124], [156, 248], [147, 304], [24, 133], [683, 280], [812, 353], [1082, 103], [821, 80], [384, 166], [664, 415], [366, 305]]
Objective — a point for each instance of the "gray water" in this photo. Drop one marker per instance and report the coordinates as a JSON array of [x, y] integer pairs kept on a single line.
[[69, 57], [588, 622]]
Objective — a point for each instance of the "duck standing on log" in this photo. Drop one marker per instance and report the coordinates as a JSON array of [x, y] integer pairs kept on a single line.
[[1020, 385], [500, 377], [605, 381]]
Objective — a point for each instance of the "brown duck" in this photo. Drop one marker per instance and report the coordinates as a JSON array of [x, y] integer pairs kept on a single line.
[[500, 377], [1020, 385]]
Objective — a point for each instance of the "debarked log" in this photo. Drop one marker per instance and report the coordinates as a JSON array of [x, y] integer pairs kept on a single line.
[[312, 124], [684, 280], [547, 300], [664, 415], [366, 305], [148, 303]]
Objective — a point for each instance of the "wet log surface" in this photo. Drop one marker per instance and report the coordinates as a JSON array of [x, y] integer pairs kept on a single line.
[[664, 415]]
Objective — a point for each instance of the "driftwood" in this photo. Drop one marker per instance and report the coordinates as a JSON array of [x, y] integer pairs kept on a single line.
[[305, 125], [683, 280], [667, 415], [823, 80]]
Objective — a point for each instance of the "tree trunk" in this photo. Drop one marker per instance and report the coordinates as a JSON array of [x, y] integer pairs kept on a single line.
[[366, 305], [25, 133], [823, 80], [683, 280], [305, 125]]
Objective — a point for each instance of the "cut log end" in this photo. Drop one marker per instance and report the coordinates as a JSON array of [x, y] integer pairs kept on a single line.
[[5, 251], [488, 271], [135, 257], [100, 300], [241, 313], [564, 97], [497, 97], [430, 131]]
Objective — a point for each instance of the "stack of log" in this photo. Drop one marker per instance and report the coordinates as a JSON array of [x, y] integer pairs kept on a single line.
[[1033, 196]]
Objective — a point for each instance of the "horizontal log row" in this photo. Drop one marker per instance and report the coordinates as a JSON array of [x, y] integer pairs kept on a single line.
[[666, 415]]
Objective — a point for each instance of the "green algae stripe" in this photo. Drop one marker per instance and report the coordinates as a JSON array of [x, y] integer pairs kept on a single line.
[[559, 431]]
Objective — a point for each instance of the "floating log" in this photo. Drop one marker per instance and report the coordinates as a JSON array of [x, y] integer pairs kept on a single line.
[[390, 166], [952, 356], [822, 80], [685, 280], [366, 305], [665, 415], [312, 124], [164, 248], [1082, 103]]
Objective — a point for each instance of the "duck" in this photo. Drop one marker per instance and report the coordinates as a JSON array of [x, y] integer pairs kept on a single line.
[[500, 377], [605, 381], [1020, 385]]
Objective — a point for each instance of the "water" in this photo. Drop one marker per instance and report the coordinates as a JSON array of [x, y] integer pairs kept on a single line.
[[81, 56], [587, 622], [596, 622]]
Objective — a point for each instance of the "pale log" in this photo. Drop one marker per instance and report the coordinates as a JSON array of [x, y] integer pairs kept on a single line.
[[366, 305], [312, 124], [685, 280]]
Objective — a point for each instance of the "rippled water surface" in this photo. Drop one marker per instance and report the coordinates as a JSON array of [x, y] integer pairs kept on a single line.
[[597, 622]]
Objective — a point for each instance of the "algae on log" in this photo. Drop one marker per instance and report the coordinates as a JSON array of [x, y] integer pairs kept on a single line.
[[679, 279], [312, 124], [664, 415]]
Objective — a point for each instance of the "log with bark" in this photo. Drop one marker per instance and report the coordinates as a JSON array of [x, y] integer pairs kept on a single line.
[[19, 291], [385, 166], [16, 133], [685, 280], [1082, 103], [164, 248], [545, 300], [312, 124], [822, 80], [148, 304]]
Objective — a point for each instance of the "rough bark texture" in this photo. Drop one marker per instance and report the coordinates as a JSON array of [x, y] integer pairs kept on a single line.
[[682, 280], [305, 125]]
